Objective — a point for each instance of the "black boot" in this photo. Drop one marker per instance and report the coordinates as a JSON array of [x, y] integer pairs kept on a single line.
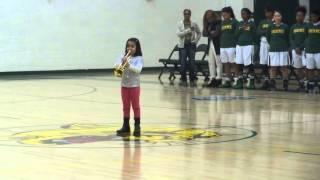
[[125, 130], [272, 85], [137, 129], [265, 85], [285, 85], [218, 83], [212, 83], [226, 83], [316, 88], [310, 86], [301, 87]]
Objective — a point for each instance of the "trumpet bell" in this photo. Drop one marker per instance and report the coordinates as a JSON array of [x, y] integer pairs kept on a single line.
[[118, 72]]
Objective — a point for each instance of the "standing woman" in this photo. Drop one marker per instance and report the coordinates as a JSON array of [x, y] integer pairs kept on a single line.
[[298, 34], [228, 45], [312, 46], [211, 29], [278, 38], [262, 30], [246, 36]]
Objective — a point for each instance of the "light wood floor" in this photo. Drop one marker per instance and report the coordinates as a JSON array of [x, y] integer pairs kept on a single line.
[[62, 127]]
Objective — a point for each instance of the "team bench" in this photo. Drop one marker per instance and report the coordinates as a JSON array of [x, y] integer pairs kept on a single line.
[[172, 65]]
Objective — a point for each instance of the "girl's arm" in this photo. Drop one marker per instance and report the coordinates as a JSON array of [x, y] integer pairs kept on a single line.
[[205, 31], [304, 42], [291, 38], [136, 66], [198, 32], [216, 33], [235, 27], [260, 30], [268, 34], [239, 30], [287, 30], [254, 30], [181, 32]]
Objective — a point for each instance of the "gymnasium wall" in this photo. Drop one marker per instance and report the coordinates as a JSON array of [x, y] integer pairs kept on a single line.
[[40, 35]]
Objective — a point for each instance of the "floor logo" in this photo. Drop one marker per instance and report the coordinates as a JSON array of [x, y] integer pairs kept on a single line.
[[103, 136]]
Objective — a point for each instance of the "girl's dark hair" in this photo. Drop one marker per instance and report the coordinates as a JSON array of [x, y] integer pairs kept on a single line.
[[268, 8], [247, 11], [186, 10], [138, 46], [302, 9], [228, 10], [205, 21], [316, 12], [278, 10]]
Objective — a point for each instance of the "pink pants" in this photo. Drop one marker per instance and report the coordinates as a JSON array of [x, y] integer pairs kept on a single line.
[[130, 97]]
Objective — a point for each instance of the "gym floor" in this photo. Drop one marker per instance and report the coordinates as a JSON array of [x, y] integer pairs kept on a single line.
[[63, 127]]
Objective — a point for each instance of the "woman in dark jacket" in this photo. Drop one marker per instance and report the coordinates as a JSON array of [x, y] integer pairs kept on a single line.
[[211, 29]]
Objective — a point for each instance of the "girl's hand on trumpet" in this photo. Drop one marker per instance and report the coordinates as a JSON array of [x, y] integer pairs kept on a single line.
[[125, 64], [126, 58]]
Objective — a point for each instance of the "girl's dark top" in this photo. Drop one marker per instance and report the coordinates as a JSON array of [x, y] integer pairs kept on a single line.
[[278, 37], [213, 27]]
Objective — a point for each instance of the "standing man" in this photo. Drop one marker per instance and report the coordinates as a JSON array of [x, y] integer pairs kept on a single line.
[[189, 34]]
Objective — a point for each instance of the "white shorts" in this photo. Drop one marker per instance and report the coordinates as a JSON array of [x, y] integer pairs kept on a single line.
[[298, 61], [313, 60], [304, 59], [244, 55], [228, 55], [264, 51], [279, 58]]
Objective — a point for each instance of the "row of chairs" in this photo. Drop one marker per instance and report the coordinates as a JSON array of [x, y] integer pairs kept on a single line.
[[172, 63]]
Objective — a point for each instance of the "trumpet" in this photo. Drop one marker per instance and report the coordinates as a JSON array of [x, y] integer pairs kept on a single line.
[[118, 72]]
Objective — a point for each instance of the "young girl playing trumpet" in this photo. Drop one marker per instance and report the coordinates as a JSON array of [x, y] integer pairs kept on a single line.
[[131, 64]]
